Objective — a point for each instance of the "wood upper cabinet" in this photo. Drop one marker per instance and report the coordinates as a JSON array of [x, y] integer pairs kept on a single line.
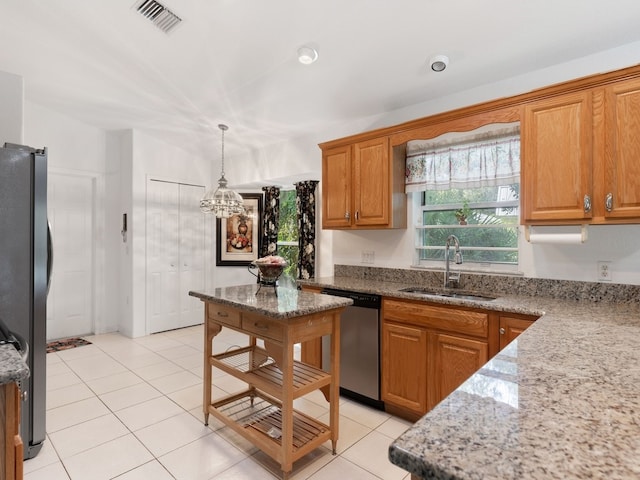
[[363, 186], [620, 197], [556, 158], [579, 156], [336, 188]]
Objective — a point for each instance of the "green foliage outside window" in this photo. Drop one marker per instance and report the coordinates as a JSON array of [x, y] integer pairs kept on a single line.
[[491, 222], [288, 232]]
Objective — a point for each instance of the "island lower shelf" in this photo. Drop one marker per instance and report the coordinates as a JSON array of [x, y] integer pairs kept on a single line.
[[258, 417]]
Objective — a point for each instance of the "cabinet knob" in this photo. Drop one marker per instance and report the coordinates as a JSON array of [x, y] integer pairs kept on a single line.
[[587, 203], [502, 331], [608, 202]]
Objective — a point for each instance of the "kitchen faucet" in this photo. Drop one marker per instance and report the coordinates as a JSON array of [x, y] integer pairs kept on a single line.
[[452, 279]]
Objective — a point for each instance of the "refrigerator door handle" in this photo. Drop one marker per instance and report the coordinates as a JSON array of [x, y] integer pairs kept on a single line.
[[49, 255]]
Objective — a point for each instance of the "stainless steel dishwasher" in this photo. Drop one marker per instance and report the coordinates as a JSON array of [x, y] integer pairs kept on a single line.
[[359, 347]]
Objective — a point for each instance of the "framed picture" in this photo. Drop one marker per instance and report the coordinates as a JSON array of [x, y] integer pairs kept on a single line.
[[238, 237]]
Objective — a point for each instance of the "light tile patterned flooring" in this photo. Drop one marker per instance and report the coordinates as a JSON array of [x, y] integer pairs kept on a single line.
[[131, 409]]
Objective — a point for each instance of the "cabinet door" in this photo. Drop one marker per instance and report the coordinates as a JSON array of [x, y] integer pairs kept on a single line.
[[336, 188], [404, 366], [510, 328], [556, 175], [454, 360], [371, 173], [622, 154]]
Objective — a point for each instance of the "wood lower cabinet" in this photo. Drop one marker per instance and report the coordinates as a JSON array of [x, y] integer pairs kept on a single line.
[[404, 366], [428, 350], [10, 440], [454, 359], [512, 326], [311, 350]]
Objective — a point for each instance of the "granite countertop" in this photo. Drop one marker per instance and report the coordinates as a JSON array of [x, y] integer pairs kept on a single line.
[[288, 303], [12, 367], [562, 401]]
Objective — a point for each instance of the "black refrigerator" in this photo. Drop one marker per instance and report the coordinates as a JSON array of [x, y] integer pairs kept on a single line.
[[25, 268]]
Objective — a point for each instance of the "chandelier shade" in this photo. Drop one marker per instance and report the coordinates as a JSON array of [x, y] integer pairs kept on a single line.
[[223, 202]]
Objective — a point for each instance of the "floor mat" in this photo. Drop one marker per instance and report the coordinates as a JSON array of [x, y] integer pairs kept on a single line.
[[66, 344]]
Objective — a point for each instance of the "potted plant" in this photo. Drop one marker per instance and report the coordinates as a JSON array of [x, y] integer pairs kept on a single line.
[[463, 213]]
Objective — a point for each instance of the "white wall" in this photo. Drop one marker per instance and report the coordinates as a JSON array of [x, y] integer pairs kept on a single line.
[[11, 111], [395, 248]]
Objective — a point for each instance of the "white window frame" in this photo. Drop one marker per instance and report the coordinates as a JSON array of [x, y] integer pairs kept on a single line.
[[468, 266]]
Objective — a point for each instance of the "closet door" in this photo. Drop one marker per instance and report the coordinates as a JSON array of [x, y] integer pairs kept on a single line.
[[175, 255], [163, 256], [192, 254]]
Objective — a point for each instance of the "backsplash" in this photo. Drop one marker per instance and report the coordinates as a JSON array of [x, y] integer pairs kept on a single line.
[[502, 284]]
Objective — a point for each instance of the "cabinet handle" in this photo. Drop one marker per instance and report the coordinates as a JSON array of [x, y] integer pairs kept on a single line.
[[587, 203], [608, 202], [357, 215], [260, 326], [223, 314], [347, 215], [502, 331]]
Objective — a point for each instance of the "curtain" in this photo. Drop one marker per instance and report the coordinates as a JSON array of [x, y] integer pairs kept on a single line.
[[488, 158], [306, 209], [270, 221]]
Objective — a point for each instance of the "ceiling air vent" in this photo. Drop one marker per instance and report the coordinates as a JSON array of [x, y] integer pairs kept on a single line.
[[161, 16]]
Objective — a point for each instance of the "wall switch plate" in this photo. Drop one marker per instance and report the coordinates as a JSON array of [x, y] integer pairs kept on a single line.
[[368, 256], [604, 271]]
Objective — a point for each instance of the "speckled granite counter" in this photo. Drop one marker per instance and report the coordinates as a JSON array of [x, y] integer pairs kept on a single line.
[[12, 367], [560, 402], [287, 304]]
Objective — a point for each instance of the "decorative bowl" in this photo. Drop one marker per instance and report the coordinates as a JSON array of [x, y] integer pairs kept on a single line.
[[270, 269]]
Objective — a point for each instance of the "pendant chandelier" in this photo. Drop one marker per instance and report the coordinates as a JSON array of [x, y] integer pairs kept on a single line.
[[223, 202]]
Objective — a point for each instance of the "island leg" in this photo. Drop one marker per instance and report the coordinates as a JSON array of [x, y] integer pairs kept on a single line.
[[334, 393], [211, 329], [287, 407]]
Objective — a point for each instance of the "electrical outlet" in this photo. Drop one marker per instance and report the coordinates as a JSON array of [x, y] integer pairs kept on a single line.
[[368, 256], [604, 271]]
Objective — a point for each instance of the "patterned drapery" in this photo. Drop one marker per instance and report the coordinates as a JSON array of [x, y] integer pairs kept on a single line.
[[474, 160], [306, 209], [270, 221]]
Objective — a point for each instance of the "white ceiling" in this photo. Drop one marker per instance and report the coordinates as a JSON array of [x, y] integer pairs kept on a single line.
[[234, 61]]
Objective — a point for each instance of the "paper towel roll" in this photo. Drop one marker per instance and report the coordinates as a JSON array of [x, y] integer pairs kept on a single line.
[[557, 238]]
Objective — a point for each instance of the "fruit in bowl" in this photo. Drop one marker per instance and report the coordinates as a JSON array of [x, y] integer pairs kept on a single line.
[[271, 267]]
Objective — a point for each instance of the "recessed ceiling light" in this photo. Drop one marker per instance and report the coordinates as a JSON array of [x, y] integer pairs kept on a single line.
[[307, 55], [439, 63]]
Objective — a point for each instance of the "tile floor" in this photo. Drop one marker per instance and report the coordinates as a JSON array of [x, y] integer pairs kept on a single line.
[[131, 409]]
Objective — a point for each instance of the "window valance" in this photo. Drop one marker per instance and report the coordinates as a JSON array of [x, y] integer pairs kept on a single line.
[[488, 156]]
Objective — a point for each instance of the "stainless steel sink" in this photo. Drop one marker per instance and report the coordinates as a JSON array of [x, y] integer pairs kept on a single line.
[[448, 293]]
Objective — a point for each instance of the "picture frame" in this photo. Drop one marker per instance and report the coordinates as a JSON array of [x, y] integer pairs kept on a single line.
[[238, 237]]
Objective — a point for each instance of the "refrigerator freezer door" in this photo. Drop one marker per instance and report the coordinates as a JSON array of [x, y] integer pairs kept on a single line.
[[23, 274]]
